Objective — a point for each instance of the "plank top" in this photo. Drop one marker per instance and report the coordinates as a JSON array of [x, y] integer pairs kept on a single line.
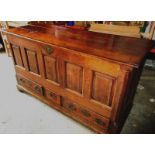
[[127, 50]]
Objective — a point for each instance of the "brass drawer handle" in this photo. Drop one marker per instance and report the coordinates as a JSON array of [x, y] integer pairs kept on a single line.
[[37, 88], [99, 122], [85, 113], [49, 49], [22, 80], [71, 107], [53, 96]]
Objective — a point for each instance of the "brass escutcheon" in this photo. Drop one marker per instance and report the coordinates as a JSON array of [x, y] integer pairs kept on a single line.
[[49, 49]]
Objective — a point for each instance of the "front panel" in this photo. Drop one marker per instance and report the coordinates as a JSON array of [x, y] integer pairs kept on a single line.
[[74, 77], [102, 88], [51, 68], [16, 52], [32, 61]]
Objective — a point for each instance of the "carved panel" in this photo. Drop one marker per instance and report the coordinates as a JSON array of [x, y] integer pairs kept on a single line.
[[32, 61], [51, 68], [102, 86], [74, 77], [17, 55]]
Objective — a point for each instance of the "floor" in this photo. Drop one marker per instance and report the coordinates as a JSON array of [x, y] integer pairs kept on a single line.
[[21, 113], [142, 116]]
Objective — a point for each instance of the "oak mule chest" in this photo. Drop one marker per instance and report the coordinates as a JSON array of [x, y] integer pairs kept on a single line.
[[91, 77]]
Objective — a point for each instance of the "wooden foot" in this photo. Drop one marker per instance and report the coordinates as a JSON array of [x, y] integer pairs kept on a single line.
[[20, 89]]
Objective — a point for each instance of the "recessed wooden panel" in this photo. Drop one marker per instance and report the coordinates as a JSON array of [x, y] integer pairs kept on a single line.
[[102, 88], [17, 55], [74, 77], [32, 61], [51, 69]]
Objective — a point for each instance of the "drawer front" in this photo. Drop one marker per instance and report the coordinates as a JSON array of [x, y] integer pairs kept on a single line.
[[36, 88], [52, 96], [95, 119]]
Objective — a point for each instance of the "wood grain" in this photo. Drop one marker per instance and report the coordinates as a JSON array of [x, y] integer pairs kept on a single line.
[[88, 76]]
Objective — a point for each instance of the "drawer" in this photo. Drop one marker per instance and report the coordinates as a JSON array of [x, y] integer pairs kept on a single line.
[[36, 88], [52, 96], [90, 116]]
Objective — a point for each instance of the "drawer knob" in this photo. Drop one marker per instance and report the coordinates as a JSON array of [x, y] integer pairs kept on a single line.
[[99, 122], [49, 49]]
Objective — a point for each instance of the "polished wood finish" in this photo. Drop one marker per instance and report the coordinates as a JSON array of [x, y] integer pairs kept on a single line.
[[88, 76]]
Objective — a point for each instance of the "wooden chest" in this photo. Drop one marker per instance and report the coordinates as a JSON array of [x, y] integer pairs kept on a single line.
[[88, 76]]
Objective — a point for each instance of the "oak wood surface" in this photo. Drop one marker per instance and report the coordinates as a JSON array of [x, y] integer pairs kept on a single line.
[[91, 77], [122, 49]]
